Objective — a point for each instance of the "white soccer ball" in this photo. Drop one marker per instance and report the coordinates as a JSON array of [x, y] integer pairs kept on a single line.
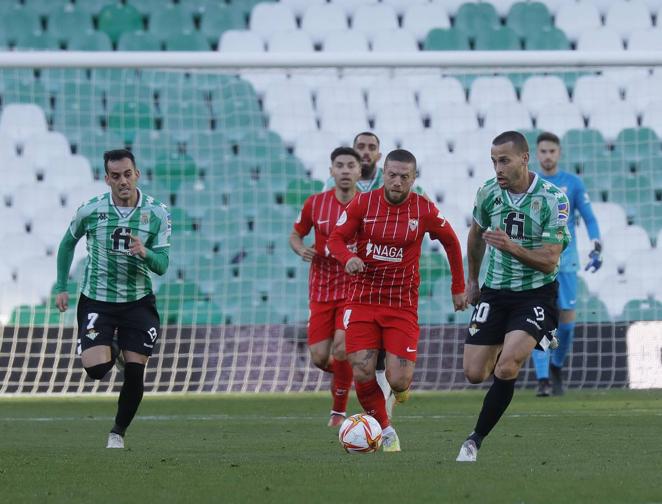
[[360, 433]]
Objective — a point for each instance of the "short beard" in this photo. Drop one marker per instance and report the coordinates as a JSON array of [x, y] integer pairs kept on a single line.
[[368, 170]]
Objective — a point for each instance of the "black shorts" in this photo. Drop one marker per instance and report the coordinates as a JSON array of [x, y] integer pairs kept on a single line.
[[500, 311], [137, 324]]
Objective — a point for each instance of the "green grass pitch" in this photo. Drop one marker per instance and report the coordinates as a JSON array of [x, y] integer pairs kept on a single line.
[[594, 447]]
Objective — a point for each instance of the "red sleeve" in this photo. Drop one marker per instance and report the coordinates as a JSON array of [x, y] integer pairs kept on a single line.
[[304, 221], [440, 229], [346, 227]]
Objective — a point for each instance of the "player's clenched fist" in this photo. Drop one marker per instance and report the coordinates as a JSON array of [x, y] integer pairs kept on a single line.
[[460, 301], [62, 301], [354, 265], [137, 248]]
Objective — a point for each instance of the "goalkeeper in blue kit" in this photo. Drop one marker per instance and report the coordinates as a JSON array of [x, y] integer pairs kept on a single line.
[[548, 153]]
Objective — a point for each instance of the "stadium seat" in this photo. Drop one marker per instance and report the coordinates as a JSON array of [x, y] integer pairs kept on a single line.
[[453, 120], [93, 7], [591, 310], [541, 92], [16, 248], [343, 123], [636, 144], [300, 7], [289, 41], [89, 41], [421, 17], [138, 41], [182, 119], [398, 40], [621, 242], [525, 18], [267, 18], [19, 121], [61, 170], [40, 148], [600, 39], [321, 19], [474, 148], [437, 93], [217, 19], [501, 38], [593, 91], [127, 117], [347, 41], [643, 91], [63, 22], [631, 189], [37, 41], [646, 40], [446, 39], [560, 118], [371, 19], [610, 117], [547, 40], [505, 116], [299, 189], [115, 19], [652, 117], [313, 148], [384, 95], [20, 22], [628, 17], [240, 41], [173, 168], [14, 222], [351, 6], [474, 18], [168, 22], [642, 309], [575, 18], [486, 91], [397, 121]]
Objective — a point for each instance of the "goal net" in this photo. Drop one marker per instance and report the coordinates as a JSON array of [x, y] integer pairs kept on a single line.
[[235, 151]]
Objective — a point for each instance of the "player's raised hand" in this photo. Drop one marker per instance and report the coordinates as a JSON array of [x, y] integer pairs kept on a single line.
[[137, 248], [62, 301], [307, 253], [473, 292], [460, 302], [354, 265], [498, 239]]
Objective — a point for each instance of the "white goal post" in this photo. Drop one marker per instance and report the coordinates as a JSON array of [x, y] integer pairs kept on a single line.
[[235, 157]]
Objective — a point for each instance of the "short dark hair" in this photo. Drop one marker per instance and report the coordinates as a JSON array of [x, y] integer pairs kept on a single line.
[[518, 140], [365, 133], [116, 155], [547, 136], [345, 151], [402, 155]]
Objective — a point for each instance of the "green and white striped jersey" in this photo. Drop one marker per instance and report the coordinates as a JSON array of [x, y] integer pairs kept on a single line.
[[539, 216], [111, 274]]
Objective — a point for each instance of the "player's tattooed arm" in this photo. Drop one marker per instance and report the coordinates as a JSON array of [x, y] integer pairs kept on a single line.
[[296, 242]]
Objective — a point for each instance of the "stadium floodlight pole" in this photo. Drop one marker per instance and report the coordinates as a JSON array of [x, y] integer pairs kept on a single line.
[[442, 59]]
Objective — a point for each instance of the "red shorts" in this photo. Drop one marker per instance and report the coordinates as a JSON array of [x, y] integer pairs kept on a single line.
[[381, 327], [325, 319]]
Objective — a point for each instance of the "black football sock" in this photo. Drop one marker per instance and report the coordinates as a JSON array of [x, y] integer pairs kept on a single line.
[[130, 396], [496, 401]]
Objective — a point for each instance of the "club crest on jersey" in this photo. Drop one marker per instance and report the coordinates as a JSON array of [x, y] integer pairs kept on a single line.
[[384, 252], [342, 219], [144, 218], [535, 206], [413, 224]]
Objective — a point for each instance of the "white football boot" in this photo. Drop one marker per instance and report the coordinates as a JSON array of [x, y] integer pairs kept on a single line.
[[468, 451], [115, 441]]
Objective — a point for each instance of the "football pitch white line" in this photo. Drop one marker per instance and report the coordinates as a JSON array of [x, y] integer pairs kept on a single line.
[[289, 418]]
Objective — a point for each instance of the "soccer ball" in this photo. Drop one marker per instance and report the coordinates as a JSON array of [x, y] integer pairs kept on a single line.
[[360, 434]]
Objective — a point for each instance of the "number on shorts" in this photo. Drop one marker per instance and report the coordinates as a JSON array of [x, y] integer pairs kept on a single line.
[[481, 313], [345, 317], [152, 334], [92, 318], [540, 313]]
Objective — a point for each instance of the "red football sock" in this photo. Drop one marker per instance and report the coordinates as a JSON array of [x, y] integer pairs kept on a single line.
[[341, 385], [371, 398]]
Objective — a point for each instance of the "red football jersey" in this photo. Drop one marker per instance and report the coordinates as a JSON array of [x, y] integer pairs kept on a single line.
[[327, 280], [389, 243]]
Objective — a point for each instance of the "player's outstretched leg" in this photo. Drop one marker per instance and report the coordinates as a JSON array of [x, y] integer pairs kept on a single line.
[[541, 364], [565, 334], [127, 405]]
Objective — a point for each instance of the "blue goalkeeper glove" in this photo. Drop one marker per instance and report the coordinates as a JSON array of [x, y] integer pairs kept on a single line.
[[595, 257]]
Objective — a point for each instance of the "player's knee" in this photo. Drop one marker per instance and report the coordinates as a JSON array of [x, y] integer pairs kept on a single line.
[[507, 369], [474, 375], [99, 371], [399, 383], [339, 352], [319, 359]]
